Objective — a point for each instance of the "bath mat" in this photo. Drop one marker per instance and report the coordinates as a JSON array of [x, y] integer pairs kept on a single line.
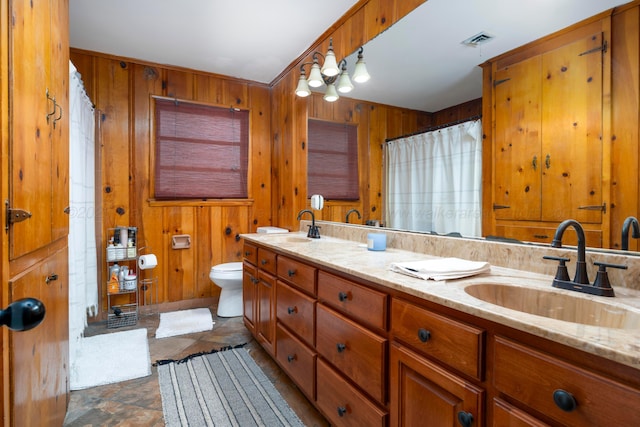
[[184, 322], [225, 388], [110, 358]]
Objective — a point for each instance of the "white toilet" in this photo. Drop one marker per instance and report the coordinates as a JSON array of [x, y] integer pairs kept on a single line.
[[229, 278]]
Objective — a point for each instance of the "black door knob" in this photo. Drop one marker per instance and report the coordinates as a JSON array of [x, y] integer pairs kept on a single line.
[[23, 314]]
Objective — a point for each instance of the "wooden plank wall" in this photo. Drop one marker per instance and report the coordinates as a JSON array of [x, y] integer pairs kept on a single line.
[[122, 90]]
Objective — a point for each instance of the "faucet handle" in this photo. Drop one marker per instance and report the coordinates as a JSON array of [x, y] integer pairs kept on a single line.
[[561, 273], [602, 278]]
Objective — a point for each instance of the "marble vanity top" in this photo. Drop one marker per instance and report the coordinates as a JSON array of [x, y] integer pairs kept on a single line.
[[353, 258]]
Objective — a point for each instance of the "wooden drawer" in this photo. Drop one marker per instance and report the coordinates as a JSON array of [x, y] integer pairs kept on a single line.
[[250, 253], [343, 404], [505, 414], [301, 275], [358, 353], [533, 377], [366, 305], [297, 360], [267, 260], [451, 342], [296, 311]]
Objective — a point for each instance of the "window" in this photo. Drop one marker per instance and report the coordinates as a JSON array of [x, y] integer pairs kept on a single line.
[[201, 151], [332, 166]]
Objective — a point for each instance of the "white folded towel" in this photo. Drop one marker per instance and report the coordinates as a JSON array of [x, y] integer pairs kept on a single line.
[[441, 268]]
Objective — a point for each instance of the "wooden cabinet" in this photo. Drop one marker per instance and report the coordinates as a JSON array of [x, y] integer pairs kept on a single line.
[[39, 98], [34, 95], [424, 393], [566, 393], [40, 356], [374, 356], [259, 295], [549, 106]]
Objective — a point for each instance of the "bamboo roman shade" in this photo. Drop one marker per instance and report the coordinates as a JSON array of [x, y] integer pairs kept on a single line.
[[201, 151], [332, 166]]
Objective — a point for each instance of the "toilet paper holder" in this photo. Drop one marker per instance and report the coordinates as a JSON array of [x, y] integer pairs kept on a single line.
[[181, 241]]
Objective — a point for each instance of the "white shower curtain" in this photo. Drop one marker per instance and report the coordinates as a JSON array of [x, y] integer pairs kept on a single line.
[[434, 180], [83, 273]]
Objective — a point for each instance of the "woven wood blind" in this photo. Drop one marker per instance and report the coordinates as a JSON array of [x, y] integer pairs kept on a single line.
[[332, 166], [201, 151]]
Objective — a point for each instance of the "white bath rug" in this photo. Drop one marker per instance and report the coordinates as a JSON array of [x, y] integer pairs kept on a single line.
[[184, 322], [110, 358]]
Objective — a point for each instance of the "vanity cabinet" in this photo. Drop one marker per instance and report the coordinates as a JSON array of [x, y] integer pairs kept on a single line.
[[369, 355], [566, 393], [427, 351], [259, 295], [549, 100]]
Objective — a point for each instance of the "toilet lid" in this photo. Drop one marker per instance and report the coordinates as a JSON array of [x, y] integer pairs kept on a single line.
[[227, 267]]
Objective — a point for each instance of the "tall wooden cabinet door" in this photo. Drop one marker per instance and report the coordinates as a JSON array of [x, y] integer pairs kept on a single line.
[[39, 361], [249, 296], [266, 311], [572, 131], [30, 129], [60, 126], [425, 394], [518, 141]]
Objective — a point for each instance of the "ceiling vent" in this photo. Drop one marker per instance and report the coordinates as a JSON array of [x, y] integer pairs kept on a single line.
[[478, 39]]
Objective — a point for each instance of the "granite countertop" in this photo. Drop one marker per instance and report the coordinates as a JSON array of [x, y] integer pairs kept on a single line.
[[353, 258]]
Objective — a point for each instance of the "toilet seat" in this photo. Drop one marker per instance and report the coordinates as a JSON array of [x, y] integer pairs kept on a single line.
[[229, 267]]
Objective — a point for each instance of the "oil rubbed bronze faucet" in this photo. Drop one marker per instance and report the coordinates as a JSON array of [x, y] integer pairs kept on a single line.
[[314, 232], [629, 222], [350, 212], [580, 282]]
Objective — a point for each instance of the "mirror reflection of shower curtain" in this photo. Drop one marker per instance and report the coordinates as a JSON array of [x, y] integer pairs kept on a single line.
[[433, 181]]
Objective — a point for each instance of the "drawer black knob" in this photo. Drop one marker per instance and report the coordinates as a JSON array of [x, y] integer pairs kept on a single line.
[[424, 335], [342, 411], [263, 262], [342, 296], [465, 419], [292, 310], [247, 253], [291, 273], [341, 347], [564, 400], [291, 358]]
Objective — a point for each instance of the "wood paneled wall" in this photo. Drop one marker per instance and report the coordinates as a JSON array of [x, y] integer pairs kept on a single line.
[[122, 91]]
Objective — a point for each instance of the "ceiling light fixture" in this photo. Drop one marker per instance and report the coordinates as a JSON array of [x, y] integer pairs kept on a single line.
[[333, 74]]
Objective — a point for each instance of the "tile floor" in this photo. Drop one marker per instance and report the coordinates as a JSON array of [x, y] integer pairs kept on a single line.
[[138, 403]]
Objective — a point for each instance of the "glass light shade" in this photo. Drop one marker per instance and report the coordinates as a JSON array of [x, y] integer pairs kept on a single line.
[[330, 66], [344, 83], [331, 95], [303, 88], [360, 74], [315, 77]]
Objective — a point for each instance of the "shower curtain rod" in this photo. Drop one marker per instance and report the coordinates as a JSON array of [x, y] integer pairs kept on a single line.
[[432, 128]]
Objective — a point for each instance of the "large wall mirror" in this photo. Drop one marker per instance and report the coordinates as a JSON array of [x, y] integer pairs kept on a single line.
[[422, 63]]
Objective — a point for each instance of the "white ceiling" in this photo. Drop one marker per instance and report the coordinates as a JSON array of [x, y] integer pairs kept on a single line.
[[418, 63]]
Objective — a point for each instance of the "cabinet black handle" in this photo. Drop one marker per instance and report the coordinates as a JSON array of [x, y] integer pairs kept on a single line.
[[263, 262], [247, 253], [291, 273], [291, 358], [342, 411], [292, 310], [341, 347], [342, 296], [465, 419], [564, 400], [51, 278], [424, 335]]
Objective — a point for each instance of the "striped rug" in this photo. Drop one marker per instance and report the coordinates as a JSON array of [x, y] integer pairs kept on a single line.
[[226, 388]]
